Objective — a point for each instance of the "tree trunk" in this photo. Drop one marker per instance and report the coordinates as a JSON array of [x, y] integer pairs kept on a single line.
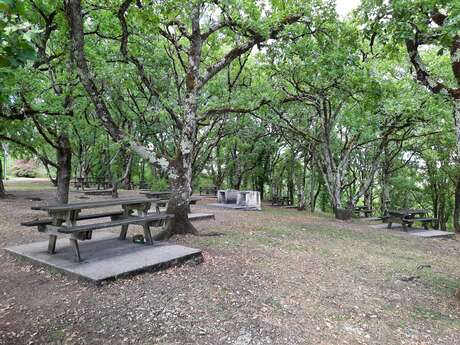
[[442, 215], [2, 187], [312, 187], [178, 205], [457, 206], [127, 168], [114, 189], [368, 197], [142, 175], [64, 160]]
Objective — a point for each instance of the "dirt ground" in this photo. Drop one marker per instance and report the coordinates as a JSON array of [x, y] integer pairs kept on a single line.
[[275, 277]]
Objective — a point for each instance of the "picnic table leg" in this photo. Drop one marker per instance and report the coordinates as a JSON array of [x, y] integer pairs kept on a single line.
[[123, 232], [124, 228], [142, 212], [404, 225], [57, 220], [389, 225], [425, 225], [147, 234], [52, 244], [75, 249]]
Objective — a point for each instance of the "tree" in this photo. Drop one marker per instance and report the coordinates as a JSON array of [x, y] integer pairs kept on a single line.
[[431, 25], [191, 35]]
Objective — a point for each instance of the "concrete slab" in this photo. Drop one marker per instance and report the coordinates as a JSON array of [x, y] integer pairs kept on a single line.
[[105, 257], [231, 207], [431, 233], [419, 232], [200, 216]]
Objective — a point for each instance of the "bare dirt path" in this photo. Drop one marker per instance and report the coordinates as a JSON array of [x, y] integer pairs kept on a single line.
[[274, 277]]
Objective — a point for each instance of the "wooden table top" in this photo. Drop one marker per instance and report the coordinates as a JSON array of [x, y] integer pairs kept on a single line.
[[153, 192], [96, 204], [407, 211]]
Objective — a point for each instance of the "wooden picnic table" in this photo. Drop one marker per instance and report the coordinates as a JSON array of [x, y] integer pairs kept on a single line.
[[64, 217], [157, 195], [281, 200], [163, 197], [406, 217], [83, 182], [362, 210], [210, 191]]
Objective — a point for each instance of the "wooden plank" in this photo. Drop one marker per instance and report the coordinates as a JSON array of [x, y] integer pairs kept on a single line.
[[45, 221], [155, 194], [115, 223], [95, 204]]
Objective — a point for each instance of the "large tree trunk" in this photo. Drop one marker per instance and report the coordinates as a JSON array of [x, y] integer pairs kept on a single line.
[[2, 187], [180, 169], [178, 205], [64, 160]]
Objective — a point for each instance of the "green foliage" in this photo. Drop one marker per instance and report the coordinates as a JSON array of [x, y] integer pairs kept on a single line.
[[264, 120], [15, 35]]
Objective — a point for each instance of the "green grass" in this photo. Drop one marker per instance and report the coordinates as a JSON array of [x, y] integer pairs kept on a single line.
[[29, 185]]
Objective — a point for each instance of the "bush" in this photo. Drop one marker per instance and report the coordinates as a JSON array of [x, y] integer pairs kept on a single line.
[[25, 168]]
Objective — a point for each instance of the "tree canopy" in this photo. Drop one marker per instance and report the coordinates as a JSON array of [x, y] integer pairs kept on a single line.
[[284, 97]]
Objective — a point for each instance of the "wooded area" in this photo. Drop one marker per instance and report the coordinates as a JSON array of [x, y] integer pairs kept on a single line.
[[230, 172], [285, 98]]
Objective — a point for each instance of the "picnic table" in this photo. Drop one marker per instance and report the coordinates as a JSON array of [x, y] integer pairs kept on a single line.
[[157, 195], [406, 217], [63, 220], [362, 210], [163, 197], [82, 182], [281, 200], [211, 190]]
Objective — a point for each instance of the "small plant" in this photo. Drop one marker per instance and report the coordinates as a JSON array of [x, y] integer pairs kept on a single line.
[[25, 168]]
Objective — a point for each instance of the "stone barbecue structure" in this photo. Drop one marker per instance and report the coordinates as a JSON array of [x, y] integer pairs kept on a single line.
[[246, 199]]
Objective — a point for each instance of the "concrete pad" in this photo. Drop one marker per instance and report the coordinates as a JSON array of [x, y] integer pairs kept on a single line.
[[105, 256], [231, 207], [431, 233], [200, 216], [419, 232]]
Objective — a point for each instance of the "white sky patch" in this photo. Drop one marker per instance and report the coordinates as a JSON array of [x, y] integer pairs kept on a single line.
[[345, 6]]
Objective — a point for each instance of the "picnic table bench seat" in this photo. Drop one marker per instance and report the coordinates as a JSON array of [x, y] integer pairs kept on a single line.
[[424, 220], [130, 220], [49, 221]]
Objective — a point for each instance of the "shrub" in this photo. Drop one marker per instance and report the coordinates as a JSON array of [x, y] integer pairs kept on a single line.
[[25, 168]]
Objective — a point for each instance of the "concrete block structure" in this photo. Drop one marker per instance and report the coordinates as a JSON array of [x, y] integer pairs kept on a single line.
[[246, 199]]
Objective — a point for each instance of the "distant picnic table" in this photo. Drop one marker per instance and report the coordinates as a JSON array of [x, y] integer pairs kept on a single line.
[[281, 200], [209, 191], [406, 217], [83, 182], [362, 210], [164, 197], [63, 220]]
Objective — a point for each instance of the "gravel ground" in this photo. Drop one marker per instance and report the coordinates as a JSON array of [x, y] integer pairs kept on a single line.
[[274, 277]]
